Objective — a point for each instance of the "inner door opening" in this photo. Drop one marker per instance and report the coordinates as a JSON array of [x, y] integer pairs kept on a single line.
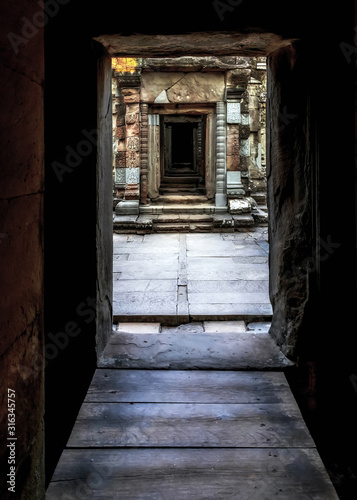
[[183, 155]]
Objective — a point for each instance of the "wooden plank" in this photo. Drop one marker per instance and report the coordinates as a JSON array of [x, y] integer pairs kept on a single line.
[[223, 351], [195, 474], [189, 425], [158, 386]]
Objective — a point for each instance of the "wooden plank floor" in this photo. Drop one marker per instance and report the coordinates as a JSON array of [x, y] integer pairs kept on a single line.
[[177, 435]]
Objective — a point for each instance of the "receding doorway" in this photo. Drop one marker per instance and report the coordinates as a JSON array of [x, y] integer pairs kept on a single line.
[[183, 169]]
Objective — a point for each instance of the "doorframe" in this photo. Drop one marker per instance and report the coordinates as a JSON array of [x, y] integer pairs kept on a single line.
[[209, 110]]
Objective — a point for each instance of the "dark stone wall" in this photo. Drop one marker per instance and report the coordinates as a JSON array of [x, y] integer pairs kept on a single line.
[[292, 232], [311, 197], [70, 222], [311, 191], [21, 249]]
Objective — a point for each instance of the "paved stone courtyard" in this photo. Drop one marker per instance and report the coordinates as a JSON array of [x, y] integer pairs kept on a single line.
[[192, 276]]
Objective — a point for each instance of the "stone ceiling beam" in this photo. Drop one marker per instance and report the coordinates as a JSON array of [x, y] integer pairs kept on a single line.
[[193, 44]]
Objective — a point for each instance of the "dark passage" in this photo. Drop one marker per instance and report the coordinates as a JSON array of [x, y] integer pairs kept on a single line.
[[183, 155], [183, 147]]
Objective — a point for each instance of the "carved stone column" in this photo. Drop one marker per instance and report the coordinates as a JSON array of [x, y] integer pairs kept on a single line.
[[131, 98], [221, 156], [154, 156], [144, 165], [129, 157]]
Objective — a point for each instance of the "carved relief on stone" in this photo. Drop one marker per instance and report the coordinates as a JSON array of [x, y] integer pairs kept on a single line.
[[144, 189], [132, 159], [245, 119], [120, 159], [132, 175], [133, 144], [245, 147], [120, 132], [120, 175], [235, 146], [144, 145], [132, 192], [233, 112], [131, 118]]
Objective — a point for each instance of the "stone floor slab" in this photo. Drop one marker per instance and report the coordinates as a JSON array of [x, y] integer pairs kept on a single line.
[[148, 274], [198, 311], [224, 326], [166, 259], [219, 273], [194, 327], [139, 328], [187, 351], [243, 273], [154, 303], [228, 298], [237, 251], [229, 286], [147, 249], [259, 327], [141, 285]]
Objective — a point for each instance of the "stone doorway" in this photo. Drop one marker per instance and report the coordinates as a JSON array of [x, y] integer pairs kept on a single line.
[[191, 128], [183, 171]]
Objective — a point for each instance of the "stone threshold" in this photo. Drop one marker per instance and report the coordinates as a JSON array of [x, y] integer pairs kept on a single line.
[[175, 218], [209, 345], [180, 319]]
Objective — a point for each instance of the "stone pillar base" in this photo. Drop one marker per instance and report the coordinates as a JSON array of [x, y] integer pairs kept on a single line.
[[221, 200], [127, 207], [235, 187]]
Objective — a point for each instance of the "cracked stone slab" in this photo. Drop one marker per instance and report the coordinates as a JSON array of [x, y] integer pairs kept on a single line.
[[185, 351]]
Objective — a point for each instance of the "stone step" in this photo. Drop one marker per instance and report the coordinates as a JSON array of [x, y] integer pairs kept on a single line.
[[181, 179], [260, 198], [260, 216], [183, 189], [175, 227], [182, 218], [181, 198], [200, 208]]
